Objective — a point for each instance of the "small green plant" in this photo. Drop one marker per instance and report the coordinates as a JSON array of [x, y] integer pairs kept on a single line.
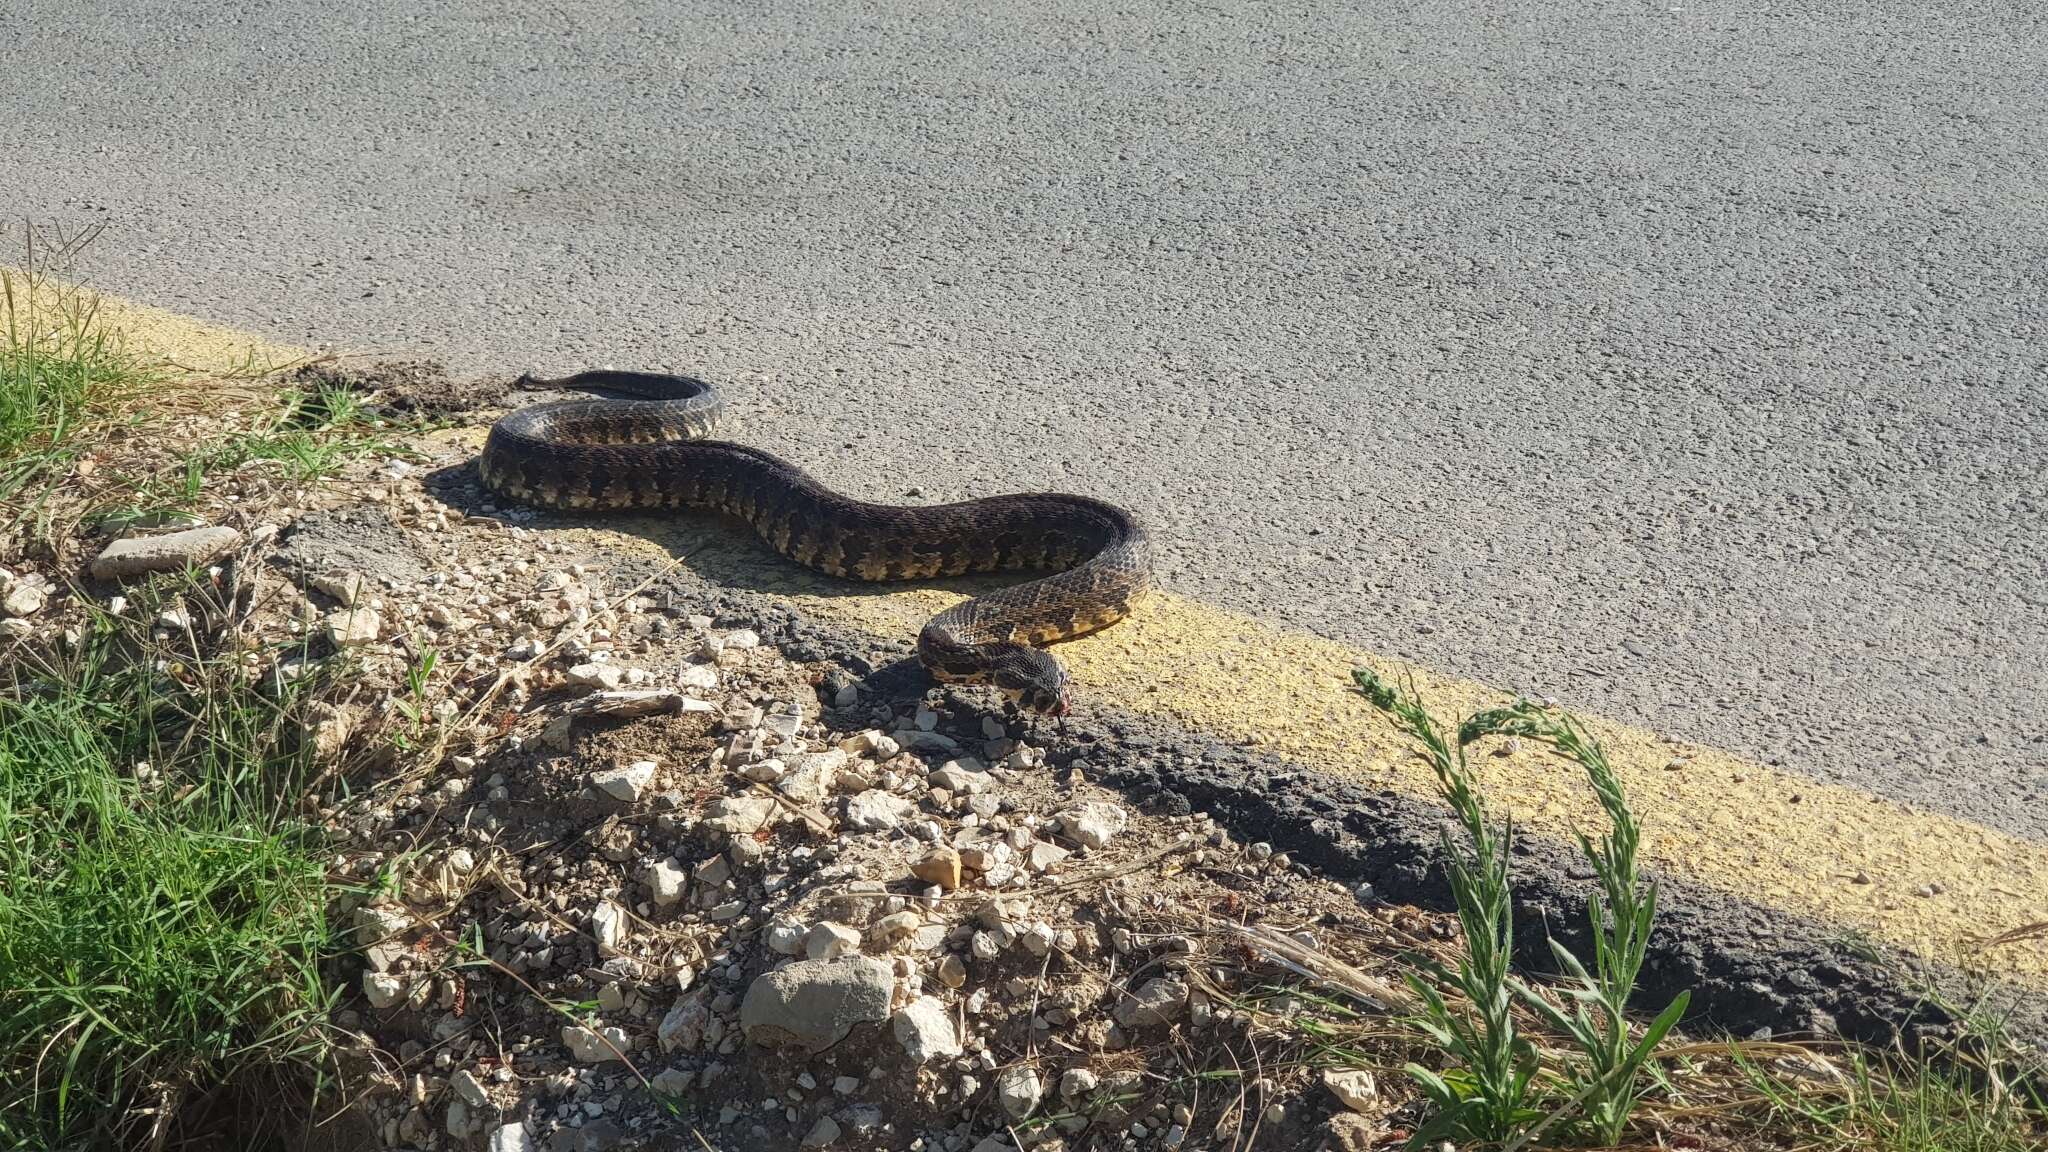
[[1621, 912], [1485, 1094]]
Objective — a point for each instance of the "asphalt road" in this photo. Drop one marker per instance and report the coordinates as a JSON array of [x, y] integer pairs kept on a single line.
[[1685, 363]]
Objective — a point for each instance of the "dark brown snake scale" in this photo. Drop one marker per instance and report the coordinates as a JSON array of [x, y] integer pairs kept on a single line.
[[651, 452]]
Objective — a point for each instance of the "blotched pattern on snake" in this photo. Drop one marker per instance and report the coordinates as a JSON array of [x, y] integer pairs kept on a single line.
[[651, 452]]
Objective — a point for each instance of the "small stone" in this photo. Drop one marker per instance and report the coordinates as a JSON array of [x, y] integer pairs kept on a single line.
[[877, 811], [1158, 1001], [668, 881], [847, 696], [684, 1025], [786, 936], [765, 771], [23, 599], [626, 784], [510, 1138], [352, 626], [942, 867], [701, 677], [823, 1133], [889, 929], [347, 588], [1093, 823], [846, 1085], [1354, 1088], [671, 1082], [714, 871], [925, 1029], [1019, 1091], [471, 1089], [1044, 855], [1038, 939], [1078, 1082], [457, 1122], [590, 1047], [960, 777], [812, 1004], [926, 719], [952, 971], [383, 990], [742, 638], [739, 815], [608, 924], [609, 677], [810, 777], [171, 552], [827, 940]]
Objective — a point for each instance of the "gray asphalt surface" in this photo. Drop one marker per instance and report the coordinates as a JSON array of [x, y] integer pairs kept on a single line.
[[1683, 362]]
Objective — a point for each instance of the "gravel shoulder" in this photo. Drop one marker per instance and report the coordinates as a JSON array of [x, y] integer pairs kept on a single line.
[[631, 860]]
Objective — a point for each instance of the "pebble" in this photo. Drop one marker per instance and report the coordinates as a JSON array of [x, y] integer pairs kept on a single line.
[[589, 1046], [608, 677], [828, 940], [952, 971], [510, 1138], [925, 1030], [382, 989], [1157, 1001], [824, 1132], [174, 551], [668, 881], [608, 924], [1019, 1091], [353, 626], [941, 867], [877, 811], [23, 599], [347, 588], [889, 929], [702, 677], [1093, 823], [1078, 1082], [671, 1082], [960, 777], [469, 1088], [625, 784], [1354, 1088]]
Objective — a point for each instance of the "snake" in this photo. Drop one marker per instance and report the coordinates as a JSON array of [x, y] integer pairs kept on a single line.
[[653, 451]]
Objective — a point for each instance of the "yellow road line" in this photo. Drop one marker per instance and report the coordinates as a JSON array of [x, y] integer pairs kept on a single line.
[[1757, 833]]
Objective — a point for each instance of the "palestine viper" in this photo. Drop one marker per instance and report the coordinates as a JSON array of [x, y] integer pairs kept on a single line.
[[651, 452]]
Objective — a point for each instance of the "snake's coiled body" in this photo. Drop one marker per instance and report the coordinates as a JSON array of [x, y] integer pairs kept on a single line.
[[651, 452]]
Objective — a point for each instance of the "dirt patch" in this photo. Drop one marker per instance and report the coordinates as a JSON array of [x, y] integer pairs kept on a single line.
[[417, 387]]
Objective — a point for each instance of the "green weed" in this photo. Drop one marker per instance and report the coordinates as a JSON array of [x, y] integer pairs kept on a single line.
[[161, 911], [1485, 1093]]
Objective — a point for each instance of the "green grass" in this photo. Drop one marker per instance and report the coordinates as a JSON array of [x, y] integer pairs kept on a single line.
[[61, 370], [310, 434], [1890, 1103], [160, 928]]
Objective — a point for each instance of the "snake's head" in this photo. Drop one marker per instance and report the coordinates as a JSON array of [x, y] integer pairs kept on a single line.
[[1032, 680]]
